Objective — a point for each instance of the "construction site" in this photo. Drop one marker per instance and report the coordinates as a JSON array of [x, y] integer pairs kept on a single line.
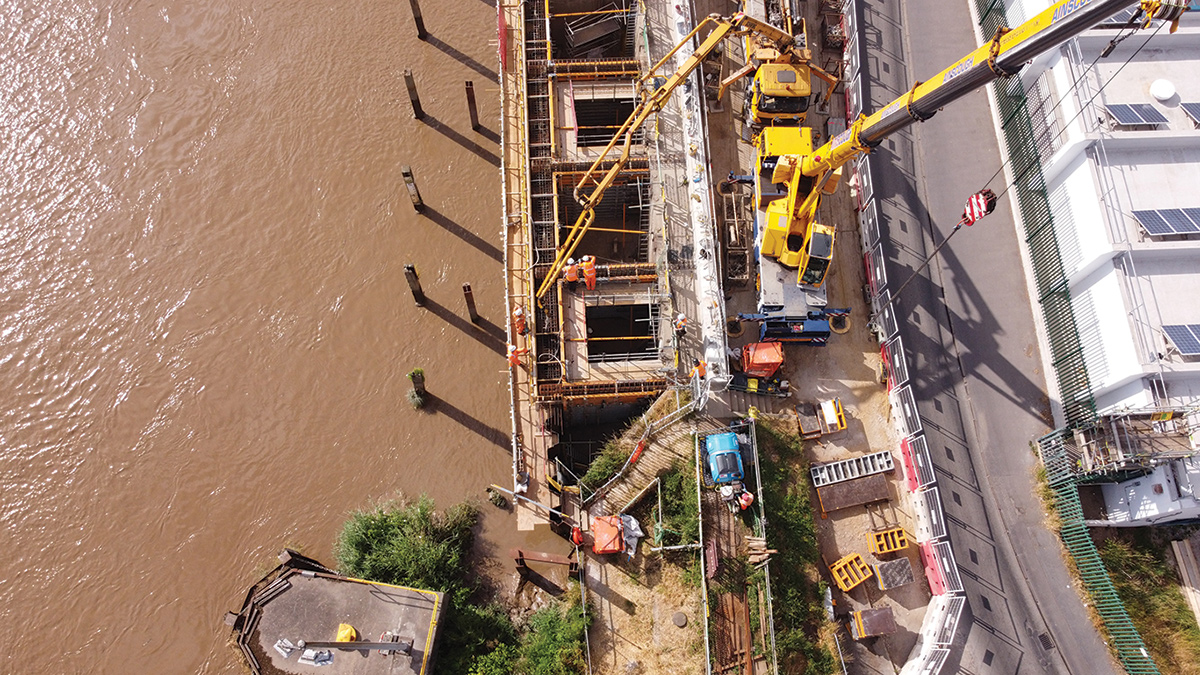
[[604, 360], [698, 292]]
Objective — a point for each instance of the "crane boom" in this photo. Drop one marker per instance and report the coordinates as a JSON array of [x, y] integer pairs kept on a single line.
[[722, 27], [1002, 56], [792, 219]]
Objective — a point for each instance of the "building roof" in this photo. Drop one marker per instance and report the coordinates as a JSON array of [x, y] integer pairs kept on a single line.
[[299, 601]]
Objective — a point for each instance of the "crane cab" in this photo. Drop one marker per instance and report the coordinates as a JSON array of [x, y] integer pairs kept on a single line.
[[810, 251], [780, 92]]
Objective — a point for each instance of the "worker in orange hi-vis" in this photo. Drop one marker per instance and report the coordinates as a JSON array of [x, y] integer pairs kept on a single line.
[[700, 370], [680, 325], [589, 272], [571, 274], [518, 318], [514, 355]]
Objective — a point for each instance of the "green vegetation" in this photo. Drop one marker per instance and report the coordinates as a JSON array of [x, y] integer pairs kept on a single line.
[[416, 395], [1150, 590], [554, 644], [411, 544], [800, 623], [617, 450], [680, 507], [612, 457]]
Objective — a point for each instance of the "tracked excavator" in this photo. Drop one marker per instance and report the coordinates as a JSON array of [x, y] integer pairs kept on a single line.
[[781, 89], [789, 231]]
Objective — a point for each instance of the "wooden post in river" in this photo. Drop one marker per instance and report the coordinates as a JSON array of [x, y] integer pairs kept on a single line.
[[470, 298], [471, 106], [416, 10], [413, 192], [414, 284], [413, 98]]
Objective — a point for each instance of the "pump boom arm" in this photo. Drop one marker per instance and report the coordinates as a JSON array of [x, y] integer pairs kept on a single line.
[[722, 27]]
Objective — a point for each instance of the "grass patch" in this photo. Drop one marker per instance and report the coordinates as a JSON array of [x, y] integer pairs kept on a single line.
[[680, 506], [1149, 587], [612, 457], [410, 543], [617, 450], [1046, 495], [796, 583]]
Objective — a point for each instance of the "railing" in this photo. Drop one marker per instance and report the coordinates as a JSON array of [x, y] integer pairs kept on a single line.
[[1057, 457]]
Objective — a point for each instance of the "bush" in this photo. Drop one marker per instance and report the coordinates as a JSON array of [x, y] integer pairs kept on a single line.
[[410, 544], [606, 465], [1150, 590], [555, 643]]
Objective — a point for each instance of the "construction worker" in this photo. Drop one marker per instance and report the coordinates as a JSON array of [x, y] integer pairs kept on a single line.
[[514, 355], [519, 325], [571, 274], [700, 370], [680, 324], [589, 272]]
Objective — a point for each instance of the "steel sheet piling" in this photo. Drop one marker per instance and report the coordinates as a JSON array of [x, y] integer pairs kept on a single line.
[[471, 106]]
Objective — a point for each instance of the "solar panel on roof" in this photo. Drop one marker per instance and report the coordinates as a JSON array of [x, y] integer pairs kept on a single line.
[[1192, 110], [1135, 113], [1123, 114], [1148, 113], [1153, 223], [1178, 221], [1186, 338], [1194, 214]]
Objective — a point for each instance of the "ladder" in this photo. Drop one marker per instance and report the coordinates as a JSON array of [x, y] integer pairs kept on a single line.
[[849, 469]]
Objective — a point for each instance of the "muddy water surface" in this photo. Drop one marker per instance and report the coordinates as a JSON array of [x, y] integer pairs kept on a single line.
[[205, 329]]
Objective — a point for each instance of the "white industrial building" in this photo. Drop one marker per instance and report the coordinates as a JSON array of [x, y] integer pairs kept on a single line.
[[1120, 156], [1133, 151]]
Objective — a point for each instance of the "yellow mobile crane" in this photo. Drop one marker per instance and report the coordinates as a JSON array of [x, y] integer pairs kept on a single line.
[[791, 233], [787, 67]]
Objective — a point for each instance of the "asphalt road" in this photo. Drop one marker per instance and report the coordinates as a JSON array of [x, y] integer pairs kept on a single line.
[[967, 326]]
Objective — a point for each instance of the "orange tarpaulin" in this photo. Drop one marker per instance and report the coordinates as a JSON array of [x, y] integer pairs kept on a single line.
[[762, 359], [606, 534]]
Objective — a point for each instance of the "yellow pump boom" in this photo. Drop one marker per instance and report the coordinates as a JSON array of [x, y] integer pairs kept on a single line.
[[789, 236], [722, 27]]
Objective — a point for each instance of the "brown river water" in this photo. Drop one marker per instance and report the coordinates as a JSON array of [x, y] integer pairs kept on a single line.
[[205, 327]]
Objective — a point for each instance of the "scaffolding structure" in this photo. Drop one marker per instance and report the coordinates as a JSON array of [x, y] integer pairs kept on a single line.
[[569, 74], [562, 47], [1135, 441]]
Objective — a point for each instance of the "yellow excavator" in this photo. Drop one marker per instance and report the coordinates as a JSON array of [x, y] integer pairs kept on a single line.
[[791, 233], [781, 87]]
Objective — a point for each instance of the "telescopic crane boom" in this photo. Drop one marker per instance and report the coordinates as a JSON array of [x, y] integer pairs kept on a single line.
[[791, 232], [772, 40]]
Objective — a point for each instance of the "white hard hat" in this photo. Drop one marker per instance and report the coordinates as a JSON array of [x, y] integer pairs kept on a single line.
[[681, 316], [570, 261]]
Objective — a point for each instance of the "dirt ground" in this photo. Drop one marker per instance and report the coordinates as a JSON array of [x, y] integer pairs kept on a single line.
[[633, 631]]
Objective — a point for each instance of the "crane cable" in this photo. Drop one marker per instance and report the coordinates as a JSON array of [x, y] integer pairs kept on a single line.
[[1082, 107]]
